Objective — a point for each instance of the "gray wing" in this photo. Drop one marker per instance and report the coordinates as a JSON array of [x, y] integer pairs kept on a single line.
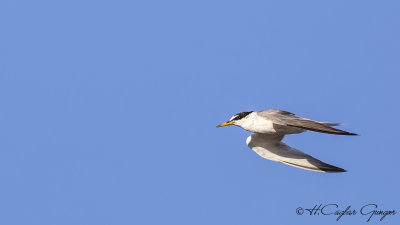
[[270, 147], [284, 118]]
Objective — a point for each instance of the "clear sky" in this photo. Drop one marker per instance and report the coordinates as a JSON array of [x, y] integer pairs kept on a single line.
[[108, 110]]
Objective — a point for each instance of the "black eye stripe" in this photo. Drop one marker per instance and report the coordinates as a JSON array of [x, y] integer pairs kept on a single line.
[[241, 115]]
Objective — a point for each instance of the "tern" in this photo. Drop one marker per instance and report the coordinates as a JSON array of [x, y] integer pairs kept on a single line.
[[269, 128]]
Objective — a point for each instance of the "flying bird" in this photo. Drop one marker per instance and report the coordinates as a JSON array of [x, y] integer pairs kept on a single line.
[[269, 128]]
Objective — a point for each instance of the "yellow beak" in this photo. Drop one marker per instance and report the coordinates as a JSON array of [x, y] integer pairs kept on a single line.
[[225, 124]]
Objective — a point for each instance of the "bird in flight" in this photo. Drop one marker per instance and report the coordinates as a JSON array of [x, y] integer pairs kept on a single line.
[[269, 128]]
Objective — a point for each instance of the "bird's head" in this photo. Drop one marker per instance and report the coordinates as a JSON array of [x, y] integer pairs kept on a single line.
[[236, 119]]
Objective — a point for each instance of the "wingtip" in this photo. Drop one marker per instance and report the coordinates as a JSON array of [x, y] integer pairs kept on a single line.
[[342, 132], [336, 170]]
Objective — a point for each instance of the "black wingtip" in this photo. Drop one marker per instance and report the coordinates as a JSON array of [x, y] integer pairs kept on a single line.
[[353, 134], [336, 170], [332, 169], [342, 132]]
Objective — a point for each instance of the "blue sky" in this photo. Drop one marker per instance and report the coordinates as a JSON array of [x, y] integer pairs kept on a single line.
[[108, 110]]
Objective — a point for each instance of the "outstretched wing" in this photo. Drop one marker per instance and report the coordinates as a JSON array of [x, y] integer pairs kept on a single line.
[[284, 118], [270, 147]]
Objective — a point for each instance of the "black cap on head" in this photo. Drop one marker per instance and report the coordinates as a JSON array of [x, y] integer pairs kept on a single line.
[[240, 115]]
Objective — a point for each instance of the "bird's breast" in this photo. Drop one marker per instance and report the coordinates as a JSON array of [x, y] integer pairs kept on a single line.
[[259, 125]]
